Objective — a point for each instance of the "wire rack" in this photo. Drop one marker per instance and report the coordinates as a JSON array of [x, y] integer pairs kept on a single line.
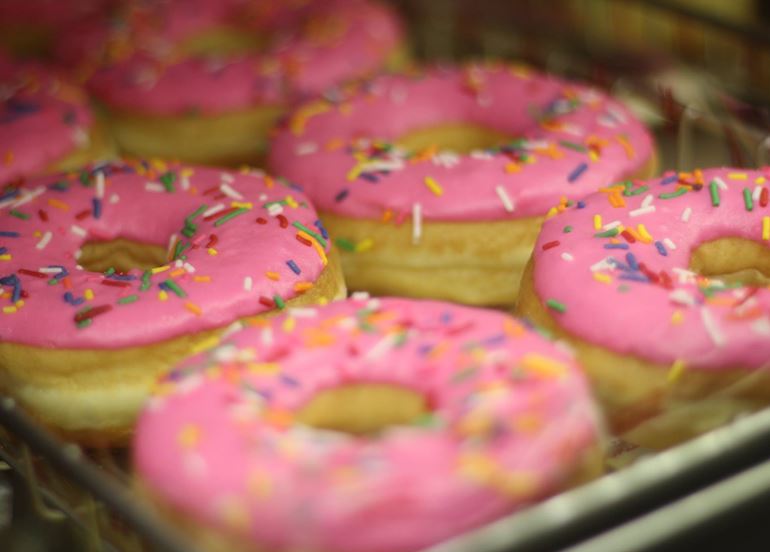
[[716, 112]]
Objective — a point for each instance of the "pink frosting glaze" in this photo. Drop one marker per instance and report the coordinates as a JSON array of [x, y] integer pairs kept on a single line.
[[326, 42], [632, 293], [510, 416], [53, 14], [42, 119], [235, 252], [572, 138]]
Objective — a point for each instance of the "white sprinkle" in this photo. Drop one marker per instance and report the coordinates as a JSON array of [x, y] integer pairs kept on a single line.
[[617, 113], [75, 229], [114, 198], [686, 214], [189, 268], [685, 276], [761, 326], [266, 336], [611, 225], [682, 297], [214, 210], [275, 209], [99, 184], [416, 223], [171, 242], [185, 182], [669, 244], [607, 121], [574, 130], [756, 193], [225, 353], [248, 283], [567, 257], [80, 137], [230, 192], [78, 254], [26, 198], [226, 177], [50, 270], [642, 211], [232, 328], [305, 148], [381, 347], [44, 240], [154, 187], [505, 198], [720, 183], [360, 295], [647, 200], [604, 264], [303, 312], [712, 327]]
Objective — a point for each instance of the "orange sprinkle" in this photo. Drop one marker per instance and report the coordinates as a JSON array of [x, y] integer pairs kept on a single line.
[[193, 308], [178, 272], [626, 145], [303, 286], [58, 204], [273, 276], [203, 279], [8, 158]]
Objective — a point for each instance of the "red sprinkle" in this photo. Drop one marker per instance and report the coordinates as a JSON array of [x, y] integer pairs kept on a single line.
[[211, 190], [628, 236], [261, 220], [284, 222], [665, 280], [654, 278], [83, 214], [220, 213], [763, 197], [114, 283], [43, 215], [551, 245], [266, 301], [91, 313], [34, 273], [213, 239], [302, 240]]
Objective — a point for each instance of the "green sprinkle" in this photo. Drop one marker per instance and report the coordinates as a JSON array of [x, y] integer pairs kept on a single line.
[[714, 193], [556, 305], [109, 272], [672, 195], [637, 191], [18, 214], [53, 282], [623, 288], [84, 323], [61, 185], [128, 299], [179, 292], [319, 238], [179, 248], [573, 146], [189, 230], [168, 179], [748, 201], [199, 211], [145, 281], [611, 233], [85, 178], [271, 203], [228, 216], [345, 245], [567, 229], [280, 303]]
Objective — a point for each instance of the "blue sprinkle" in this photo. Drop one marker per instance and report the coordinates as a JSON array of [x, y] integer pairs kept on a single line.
[[164, 286], [615, 246], [61, 274], [289, 381], [494, 340], [370, 177], [3, 250], [16, 295], [122, 277], [293, 266], [632, 262], [97, 210], [446, 317], [8, 234], [581, 204], [13, 192], [318, 224], [661, 249], [669, 179], [69, 298], [577, 172], [425, 349], [618, 264], [342, 195], [635, 276]]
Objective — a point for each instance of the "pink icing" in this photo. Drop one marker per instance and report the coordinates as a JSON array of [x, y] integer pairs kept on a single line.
[[340, 148], [42, 119], [55, 14], [678, 315], [252, 258], [217, 441], [327, 42]]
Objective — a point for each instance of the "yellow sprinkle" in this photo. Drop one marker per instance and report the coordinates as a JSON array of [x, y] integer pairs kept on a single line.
[[676, 371], [193, 308], [303, 286], [19, 303], [603, 278], [597, 222], [202, 279], [189, 436], [273, 276], [766, 228], [5, 257], [512, 167], [289, 323], [760, 180], [186, 172], [364, 245], [159, 165], [552, 212], [677, 317], [626, 145], [212, 251], [208, 343], [162, 295], [291, 202], [88, 294], [159, 269], [543, 365], [644, 234], [593, 155], [737, 176], [58, 204], [334, 144], [355, 171], [260, 485], [264, 368], [241, 204], [37, 233], [9, 310], [433, 186], [315, 244]]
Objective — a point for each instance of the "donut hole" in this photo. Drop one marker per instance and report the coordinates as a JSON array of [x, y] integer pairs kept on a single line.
[[733, 260], [363, 408], [121, 254], [458, 137], [222, 40]]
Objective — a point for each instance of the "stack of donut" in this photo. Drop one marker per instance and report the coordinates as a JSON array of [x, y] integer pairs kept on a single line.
[[157, 290]]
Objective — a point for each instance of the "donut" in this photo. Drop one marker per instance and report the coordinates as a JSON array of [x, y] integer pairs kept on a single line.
[[662, 288], [46, 123], [111, 274], [179, 91], [434, 184], [364, 425]]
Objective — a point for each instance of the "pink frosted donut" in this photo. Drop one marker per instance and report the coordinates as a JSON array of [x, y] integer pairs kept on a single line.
[[45, 123], [111, 274], [507, 420], [395, 212], [156, 79], [632, 276]]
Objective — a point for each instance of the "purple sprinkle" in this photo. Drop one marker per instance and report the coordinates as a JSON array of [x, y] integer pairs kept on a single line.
[[370, 177], [577, 172], [581, 204], [661, 249], [3, 250], [632, 262], [8, 234], [342, 195], [318, 224], [635, 276], [97, 210], [669, 179], [294, 268], [615, 246]]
